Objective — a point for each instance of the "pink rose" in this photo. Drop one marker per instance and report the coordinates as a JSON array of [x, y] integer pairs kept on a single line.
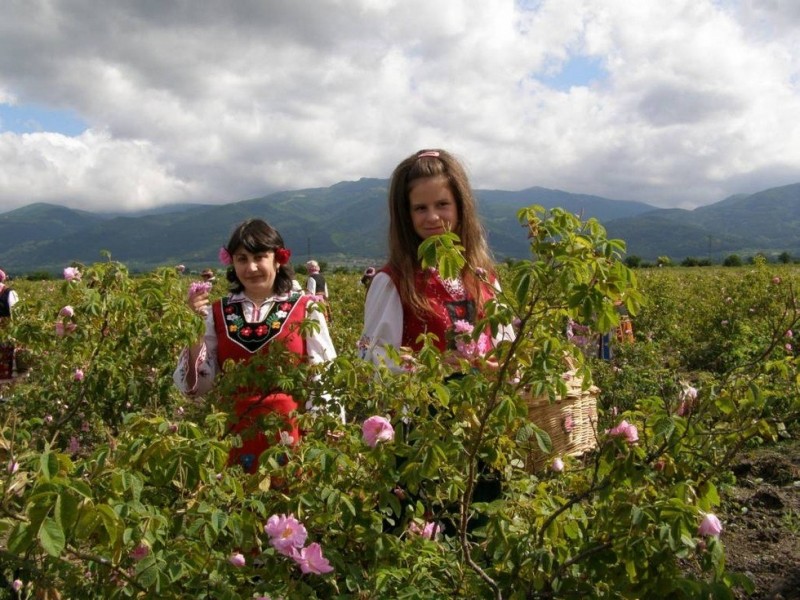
[[199, 287], [142, 550], [286, 534], [776, 280], [16, 585], [558, 464], [311, 560], [78, 375], [788, 333], [626, 430], [377, 429], [67, 311], [237, 559], [72, 274], [428, 531], [462, 326], [569, 424], [710, 525], [60, 329]]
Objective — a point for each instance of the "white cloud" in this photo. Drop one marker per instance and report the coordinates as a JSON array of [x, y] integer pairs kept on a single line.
[[217, 102]]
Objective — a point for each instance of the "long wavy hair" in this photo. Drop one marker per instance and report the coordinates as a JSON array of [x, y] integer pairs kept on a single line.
[[404, 241], [256, 235]]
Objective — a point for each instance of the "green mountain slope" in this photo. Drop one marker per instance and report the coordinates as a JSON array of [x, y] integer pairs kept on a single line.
[[347, 224]]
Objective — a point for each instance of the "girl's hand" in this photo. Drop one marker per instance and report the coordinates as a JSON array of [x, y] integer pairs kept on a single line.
[[199, 303], [198, 300]]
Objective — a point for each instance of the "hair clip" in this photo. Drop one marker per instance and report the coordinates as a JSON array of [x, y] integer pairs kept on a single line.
[[433, 153]]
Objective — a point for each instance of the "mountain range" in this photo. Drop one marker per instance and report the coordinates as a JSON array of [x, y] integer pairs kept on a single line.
[[346, 224]]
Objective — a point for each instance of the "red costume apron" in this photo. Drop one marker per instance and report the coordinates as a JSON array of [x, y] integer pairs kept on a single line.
[[240, 340]]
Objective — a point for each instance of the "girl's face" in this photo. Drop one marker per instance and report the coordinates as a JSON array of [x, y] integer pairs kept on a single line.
[[433, 207], [256, 272]]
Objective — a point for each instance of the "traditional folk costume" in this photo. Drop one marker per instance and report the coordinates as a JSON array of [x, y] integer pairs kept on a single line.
[[387, 322], [238, 329]]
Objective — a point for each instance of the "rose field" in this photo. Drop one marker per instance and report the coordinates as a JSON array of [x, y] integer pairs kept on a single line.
[[533, 470]]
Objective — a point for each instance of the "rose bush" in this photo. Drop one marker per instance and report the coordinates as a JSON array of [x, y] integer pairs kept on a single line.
[[123, 491]]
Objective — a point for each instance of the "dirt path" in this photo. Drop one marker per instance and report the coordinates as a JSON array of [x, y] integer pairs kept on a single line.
[[761, 518]]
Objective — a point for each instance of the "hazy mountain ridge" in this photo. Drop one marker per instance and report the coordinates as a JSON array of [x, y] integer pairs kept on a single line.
[[346, 223]]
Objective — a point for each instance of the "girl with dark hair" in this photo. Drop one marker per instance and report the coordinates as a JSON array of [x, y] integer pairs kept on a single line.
[[260, 309], [429, 194]]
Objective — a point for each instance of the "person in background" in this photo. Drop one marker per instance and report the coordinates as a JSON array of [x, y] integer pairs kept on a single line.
[[260, 309], [208, 275], [8, 298], [318, 287], [316, 284]]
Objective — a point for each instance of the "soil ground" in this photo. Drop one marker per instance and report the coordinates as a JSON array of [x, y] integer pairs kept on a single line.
[[761, 520]]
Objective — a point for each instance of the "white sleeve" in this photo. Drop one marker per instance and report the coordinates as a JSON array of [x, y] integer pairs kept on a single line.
[[505, 333], [383, 322], [12, 298], [319, 344], [204, 370], [311, 286]]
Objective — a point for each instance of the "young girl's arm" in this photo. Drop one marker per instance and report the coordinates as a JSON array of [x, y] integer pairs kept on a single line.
[[197, 365], [383, 322]]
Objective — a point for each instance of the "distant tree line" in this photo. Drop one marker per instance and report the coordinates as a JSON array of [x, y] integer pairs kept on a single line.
[[732, 260]]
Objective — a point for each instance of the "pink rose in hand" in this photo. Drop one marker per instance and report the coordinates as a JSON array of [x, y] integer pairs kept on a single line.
[[199, 287], [377, 429]]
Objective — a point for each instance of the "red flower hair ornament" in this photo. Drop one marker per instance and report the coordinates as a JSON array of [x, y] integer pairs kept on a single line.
[[225, 256], [282, 255]]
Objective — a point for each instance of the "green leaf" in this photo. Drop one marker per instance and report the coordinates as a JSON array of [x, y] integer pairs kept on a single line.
[[51, 537]]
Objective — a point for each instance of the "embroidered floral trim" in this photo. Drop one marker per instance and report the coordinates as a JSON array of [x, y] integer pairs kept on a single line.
[[253, 336]]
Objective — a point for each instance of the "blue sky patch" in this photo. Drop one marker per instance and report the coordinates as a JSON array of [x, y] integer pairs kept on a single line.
[[577, 71], [29, 118]]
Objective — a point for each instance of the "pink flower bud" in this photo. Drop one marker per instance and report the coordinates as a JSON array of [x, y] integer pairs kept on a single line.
[[140, 551], [788, 347], [67, 311], [13, 466], [237, 559], [78, 375], [558, 464], [16, 585], [788, 333], [710, 525], [377, 429]]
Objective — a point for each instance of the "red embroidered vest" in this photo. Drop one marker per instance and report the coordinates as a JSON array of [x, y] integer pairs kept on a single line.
[[447, 309]]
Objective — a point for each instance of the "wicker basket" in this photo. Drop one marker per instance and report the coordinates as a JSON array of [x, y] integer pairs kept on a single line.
[[570, 421]]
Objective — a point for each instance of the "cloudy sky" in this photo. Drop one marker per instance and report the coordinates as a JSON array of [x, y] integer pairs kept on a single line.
[[131, 104]]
